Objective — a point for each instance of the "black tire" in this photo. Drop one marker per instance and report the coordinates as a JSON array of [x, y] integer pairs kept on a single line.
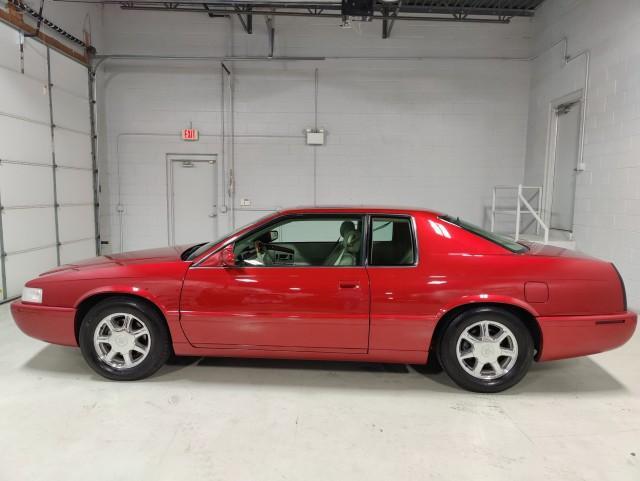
[[447, 350], [159, 339]]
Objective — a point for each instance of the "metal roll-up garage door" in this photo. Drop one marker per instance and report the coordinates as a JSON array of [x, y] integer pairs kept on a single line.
[[47, 206]]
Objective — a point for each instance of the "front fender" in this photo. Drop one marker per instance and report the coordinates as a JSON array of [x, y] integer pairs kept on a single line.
[[126, 289]]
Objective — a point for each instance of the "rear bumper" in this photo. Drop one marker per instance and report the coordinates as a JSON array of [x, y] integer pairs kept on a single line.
[[573, 336], [51, 324]]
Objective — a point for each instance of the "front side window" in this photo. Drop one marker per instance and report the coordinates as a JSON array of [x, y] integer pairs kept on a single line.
[[304, 241], [392, 242]]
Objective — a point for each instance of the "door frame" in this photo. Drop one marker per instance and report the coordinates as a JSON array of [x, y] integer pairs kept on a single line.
[[552, 141], [181, 157]]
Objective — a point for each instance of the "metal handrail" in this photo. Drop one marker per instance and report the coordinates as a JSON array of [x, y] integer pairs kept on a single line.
[[520, 201]]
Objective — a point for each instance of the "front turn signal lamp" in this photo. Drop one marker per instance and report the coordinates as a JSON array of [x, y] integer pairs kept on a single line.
[[32, 294]]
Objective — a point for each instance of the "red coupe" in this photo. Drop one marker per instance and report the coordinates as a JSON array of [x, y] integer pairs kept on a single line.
[[357, 284]]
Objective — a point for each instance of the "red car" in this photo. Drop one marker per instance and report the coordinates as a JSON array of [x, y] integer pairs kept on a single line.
[[356, 284]]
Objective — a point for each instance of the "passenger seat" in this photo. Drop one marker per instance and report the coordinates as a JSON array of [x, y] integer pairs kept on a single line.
[[350, 249], [346, 227]]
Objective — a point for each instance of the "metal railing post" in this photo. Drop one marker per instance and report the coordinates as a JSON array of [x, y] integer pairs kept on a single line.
[[493, 210], [518, 212], [539, 209]]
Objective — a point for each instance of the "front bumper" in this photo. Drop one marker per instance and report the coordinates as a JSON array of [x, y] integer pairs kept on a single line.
[[573, 336], [51, 324]]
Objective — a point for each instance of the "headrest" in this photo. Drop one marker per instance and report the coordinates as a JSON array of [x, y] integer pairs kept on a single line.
[[345, 227]]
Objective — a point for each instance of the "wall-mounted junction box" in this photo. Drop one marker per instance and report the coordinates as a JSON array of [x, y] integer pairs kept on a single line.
[[315, 137]]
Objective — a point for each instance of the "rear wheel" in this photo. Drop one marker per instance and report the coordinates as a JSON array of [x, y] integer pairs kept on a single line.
[[486, 350], [123, 339]]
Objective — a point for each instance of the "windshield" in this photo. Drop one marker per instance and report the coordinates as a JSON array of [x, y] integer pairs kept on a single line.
[[490, 236], [199, 249]]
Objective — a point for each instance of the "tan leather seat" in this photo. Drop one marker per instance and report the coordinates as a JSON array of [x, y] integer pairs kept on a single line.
[[345, 228], [351, 244]]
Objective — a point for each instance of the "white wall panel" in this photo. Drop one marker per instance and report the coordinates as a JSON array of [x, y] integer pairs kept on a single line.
[[76, 222], [73, 149], [9, 48], [35, 60], [24, 141], [22, 267], [70, 111], [69, 75], [74, 186], [25, 185], [77, 251], [28, 228], [23, 96]]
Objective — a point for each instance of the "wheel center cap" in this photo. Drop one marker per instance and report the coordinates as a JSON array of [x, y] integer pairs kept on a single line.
[[488, 350], [122, 339]]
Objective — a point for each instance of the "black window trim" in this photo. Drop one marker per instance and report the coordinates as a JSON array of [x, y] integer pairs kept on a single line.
[[414, 240]]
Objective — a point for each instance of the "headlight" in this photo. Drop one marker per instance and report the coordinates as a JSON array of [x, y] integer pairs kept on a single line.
[[31, 294]]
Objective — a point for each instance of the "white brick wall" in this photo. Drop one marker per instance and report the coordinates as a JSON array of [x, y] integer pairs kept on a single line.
[[435, 133], [607, 217]]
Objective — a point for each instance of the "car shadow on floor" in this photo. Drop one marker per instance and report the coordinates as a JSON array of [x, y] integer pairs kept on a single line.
[[582, 375]]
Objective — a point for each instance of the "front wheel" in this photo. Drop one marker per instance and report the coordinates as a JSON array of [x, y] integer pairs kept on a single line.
[[486, 350], [124, 340]]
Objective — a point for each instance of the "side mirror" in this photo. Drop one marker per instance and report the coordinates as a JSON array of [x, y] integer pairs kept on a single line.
[[222, 258], [228, 257], [273, 236]]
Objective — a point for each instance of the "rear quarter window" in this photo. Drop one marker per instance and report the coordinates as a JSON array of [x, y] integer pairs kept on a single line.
[[502, 241]]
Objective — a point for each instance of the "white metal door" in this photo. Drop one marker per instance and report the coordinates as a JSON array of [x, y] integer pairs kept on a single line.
[[565, 164], [72, 146], [46, 167], [192, 199]]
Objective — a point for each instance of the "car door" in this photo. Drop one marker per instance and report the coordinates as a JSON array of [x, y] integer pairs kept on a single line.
[[305, 291]]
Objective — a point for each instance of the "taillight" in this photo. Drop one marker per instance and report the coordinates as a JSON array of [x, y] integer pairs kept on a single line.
[[624, 290]]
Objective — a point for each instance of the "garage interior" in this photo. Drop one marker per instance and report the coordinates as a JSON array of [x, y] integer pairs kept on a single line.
[[128, 125]]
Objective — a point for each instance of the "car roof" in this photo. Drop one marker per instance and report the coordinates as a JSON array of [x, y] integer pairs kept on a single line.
[[374, 209]]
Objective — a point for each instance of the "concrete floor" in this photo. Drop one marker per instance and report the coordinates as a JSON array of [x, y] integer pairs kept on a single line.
[[237, 420]]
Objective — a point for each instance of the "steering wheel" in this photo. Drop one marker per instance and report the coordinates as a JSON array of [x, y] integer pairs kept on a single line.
[[262, 252]]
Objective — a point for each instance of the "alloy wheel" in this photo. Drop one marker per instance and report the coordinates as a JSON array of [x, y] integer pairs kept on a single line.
[[487, 350], [122, 340]]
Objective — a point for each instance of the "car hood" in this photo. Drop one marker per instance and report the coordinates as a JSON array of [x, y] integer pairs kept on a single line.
[[147, 256]]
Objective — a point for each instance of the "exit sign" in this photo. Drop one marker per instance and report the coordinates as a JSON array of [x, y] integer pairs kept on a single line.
[[189, 134]]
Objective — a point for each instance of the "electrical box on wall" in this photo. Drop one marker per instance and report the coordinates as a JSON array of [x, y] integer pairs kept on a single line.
[[315, 137]]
